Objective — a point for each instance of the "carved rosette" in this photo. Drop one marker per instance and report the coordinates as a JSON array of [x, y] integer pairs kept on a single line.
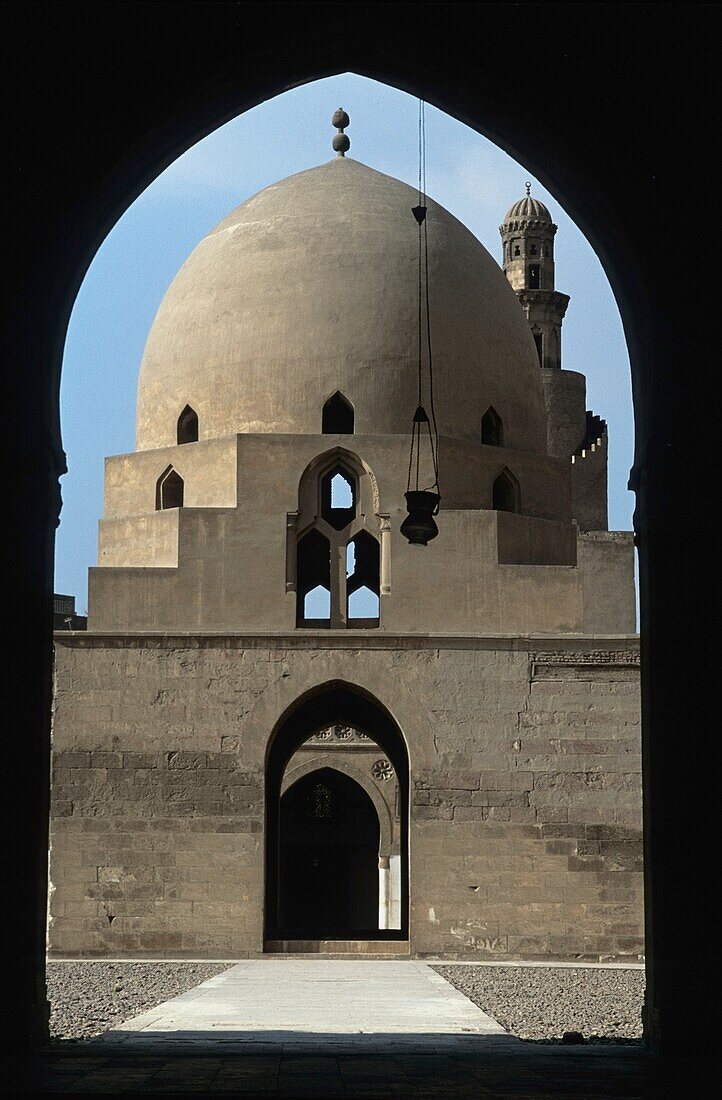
[[382, 770]]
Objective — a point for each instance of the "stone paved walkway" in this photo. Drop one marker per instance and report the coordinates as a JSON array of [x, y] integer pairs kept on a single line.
[[286, 1027], [344, 1006]]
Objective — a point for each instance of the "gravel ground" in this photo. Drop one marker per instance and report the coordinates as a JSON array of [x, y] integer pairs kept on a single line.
[[540, 1003], [535, 1003], [88, 998]]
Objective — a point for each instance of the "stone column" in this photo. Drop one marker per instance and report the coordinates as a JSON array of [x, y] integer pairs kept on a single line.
[[384, 892]]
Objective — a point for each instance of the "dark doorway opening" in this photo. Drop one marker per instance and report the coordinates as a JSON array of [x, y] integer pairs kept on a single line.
[[338, 898], [328, 862]]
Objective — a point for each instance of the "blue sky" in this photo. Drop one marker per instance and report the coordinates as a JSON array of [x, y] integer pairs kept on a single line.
[[121, 293]]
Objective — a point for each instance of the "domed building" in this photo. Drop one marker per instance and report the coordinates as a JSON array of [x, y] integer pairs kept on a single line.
[[286, 728]]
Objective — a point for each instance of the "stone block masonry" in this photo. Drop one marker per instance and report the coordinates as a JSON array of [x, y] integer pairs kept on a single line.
[[525, 801]]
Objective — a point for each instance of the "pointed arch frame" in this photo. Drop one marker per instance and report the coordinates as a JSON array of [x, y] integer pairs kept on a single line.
[[336, 701]]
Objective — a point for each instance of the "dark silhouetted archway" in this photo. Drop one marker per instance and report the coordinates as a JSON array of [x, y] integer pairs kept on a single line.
[[107, 138]]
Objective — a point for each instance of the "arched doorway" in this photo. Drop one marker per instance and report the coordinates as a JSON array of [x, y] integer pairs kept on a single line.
[[337, 821], [329, 835]]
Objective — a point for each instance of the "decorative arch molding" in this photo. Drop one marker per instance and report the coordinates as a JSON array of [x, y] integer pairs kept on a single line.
[[330, 760], [281, 698], [324, 462]]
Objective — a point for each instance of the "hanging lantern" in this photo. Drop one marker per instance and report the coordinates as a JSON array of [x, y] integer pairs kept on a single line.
[[419, 526], [422, 487]]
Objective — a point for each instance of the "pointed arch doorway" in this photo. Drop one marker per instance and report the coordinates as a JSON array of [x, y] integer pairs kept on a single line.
[[337, 823]]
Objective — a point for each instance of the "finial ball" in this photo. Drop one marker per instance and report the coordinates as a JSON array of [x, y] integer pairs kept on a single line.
[[528, 187], [340, 119], [341, 144]]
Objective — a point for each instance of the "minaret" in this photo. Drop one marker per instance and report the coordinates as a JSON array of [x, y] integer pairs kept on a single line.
[[527, 235]]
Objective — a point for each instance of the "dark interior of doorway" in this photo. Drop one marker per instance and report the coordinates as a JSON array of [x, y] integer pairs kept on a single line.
[[328, 863]]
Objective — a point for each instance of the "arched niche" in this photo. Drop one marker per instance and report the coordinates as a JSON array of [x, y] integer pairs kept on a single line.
[[326, 705], [187, 427], [337, 417], [505, 495], [169, 490], [492, 428]]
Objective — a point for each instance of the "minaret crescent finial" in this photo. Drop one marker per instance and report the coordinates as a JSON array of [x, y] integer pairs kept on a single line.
[[341, 141]]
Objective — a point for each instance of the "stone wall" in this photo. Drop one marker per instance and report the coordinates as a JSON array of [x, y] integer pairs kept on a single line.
[[525, 788]]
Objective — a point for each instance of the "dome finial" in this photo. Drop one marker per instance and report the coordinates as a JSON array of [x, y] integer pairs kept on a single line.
[[528, 187], [341, 142]]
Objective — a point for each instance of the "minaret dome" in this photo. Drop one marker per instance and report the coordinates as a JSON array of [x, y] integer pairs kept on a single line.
[[527, 233]]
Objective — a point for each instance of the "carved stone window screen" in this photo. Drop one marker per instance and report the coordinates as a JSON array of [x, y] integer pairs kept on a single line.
[[360, 524]]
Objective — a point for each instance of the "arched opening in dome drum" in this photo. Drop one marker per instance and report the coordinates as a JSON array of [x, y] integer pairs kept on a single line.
[[505, 496], [329, 858], [313, 580], [169, 490], [362, 580], [492, 429], [338, 498], [338, 416], [188, 426]]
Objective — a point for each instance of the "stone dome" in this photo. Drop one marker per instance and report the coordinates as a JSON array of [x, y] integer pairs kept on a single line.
[[528, 208], [310, 287]]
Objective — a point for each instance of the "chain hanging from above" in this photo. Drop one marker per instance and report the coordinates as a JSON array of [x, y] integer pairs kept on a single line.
[[422, 486]]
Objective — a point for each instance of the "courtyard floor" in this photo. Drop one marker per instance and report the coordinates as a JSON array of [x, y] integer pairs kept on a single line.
[[319, 1027]]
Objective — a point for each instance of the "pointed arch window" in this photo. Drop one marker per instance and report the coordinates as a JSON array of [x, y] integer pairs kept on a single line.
[[505, 496], [338, 535], [313, 587], [338, 498], [169, 490], [338, 416], [187, 427], [492, 428], [534, 277], [362, 580]]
